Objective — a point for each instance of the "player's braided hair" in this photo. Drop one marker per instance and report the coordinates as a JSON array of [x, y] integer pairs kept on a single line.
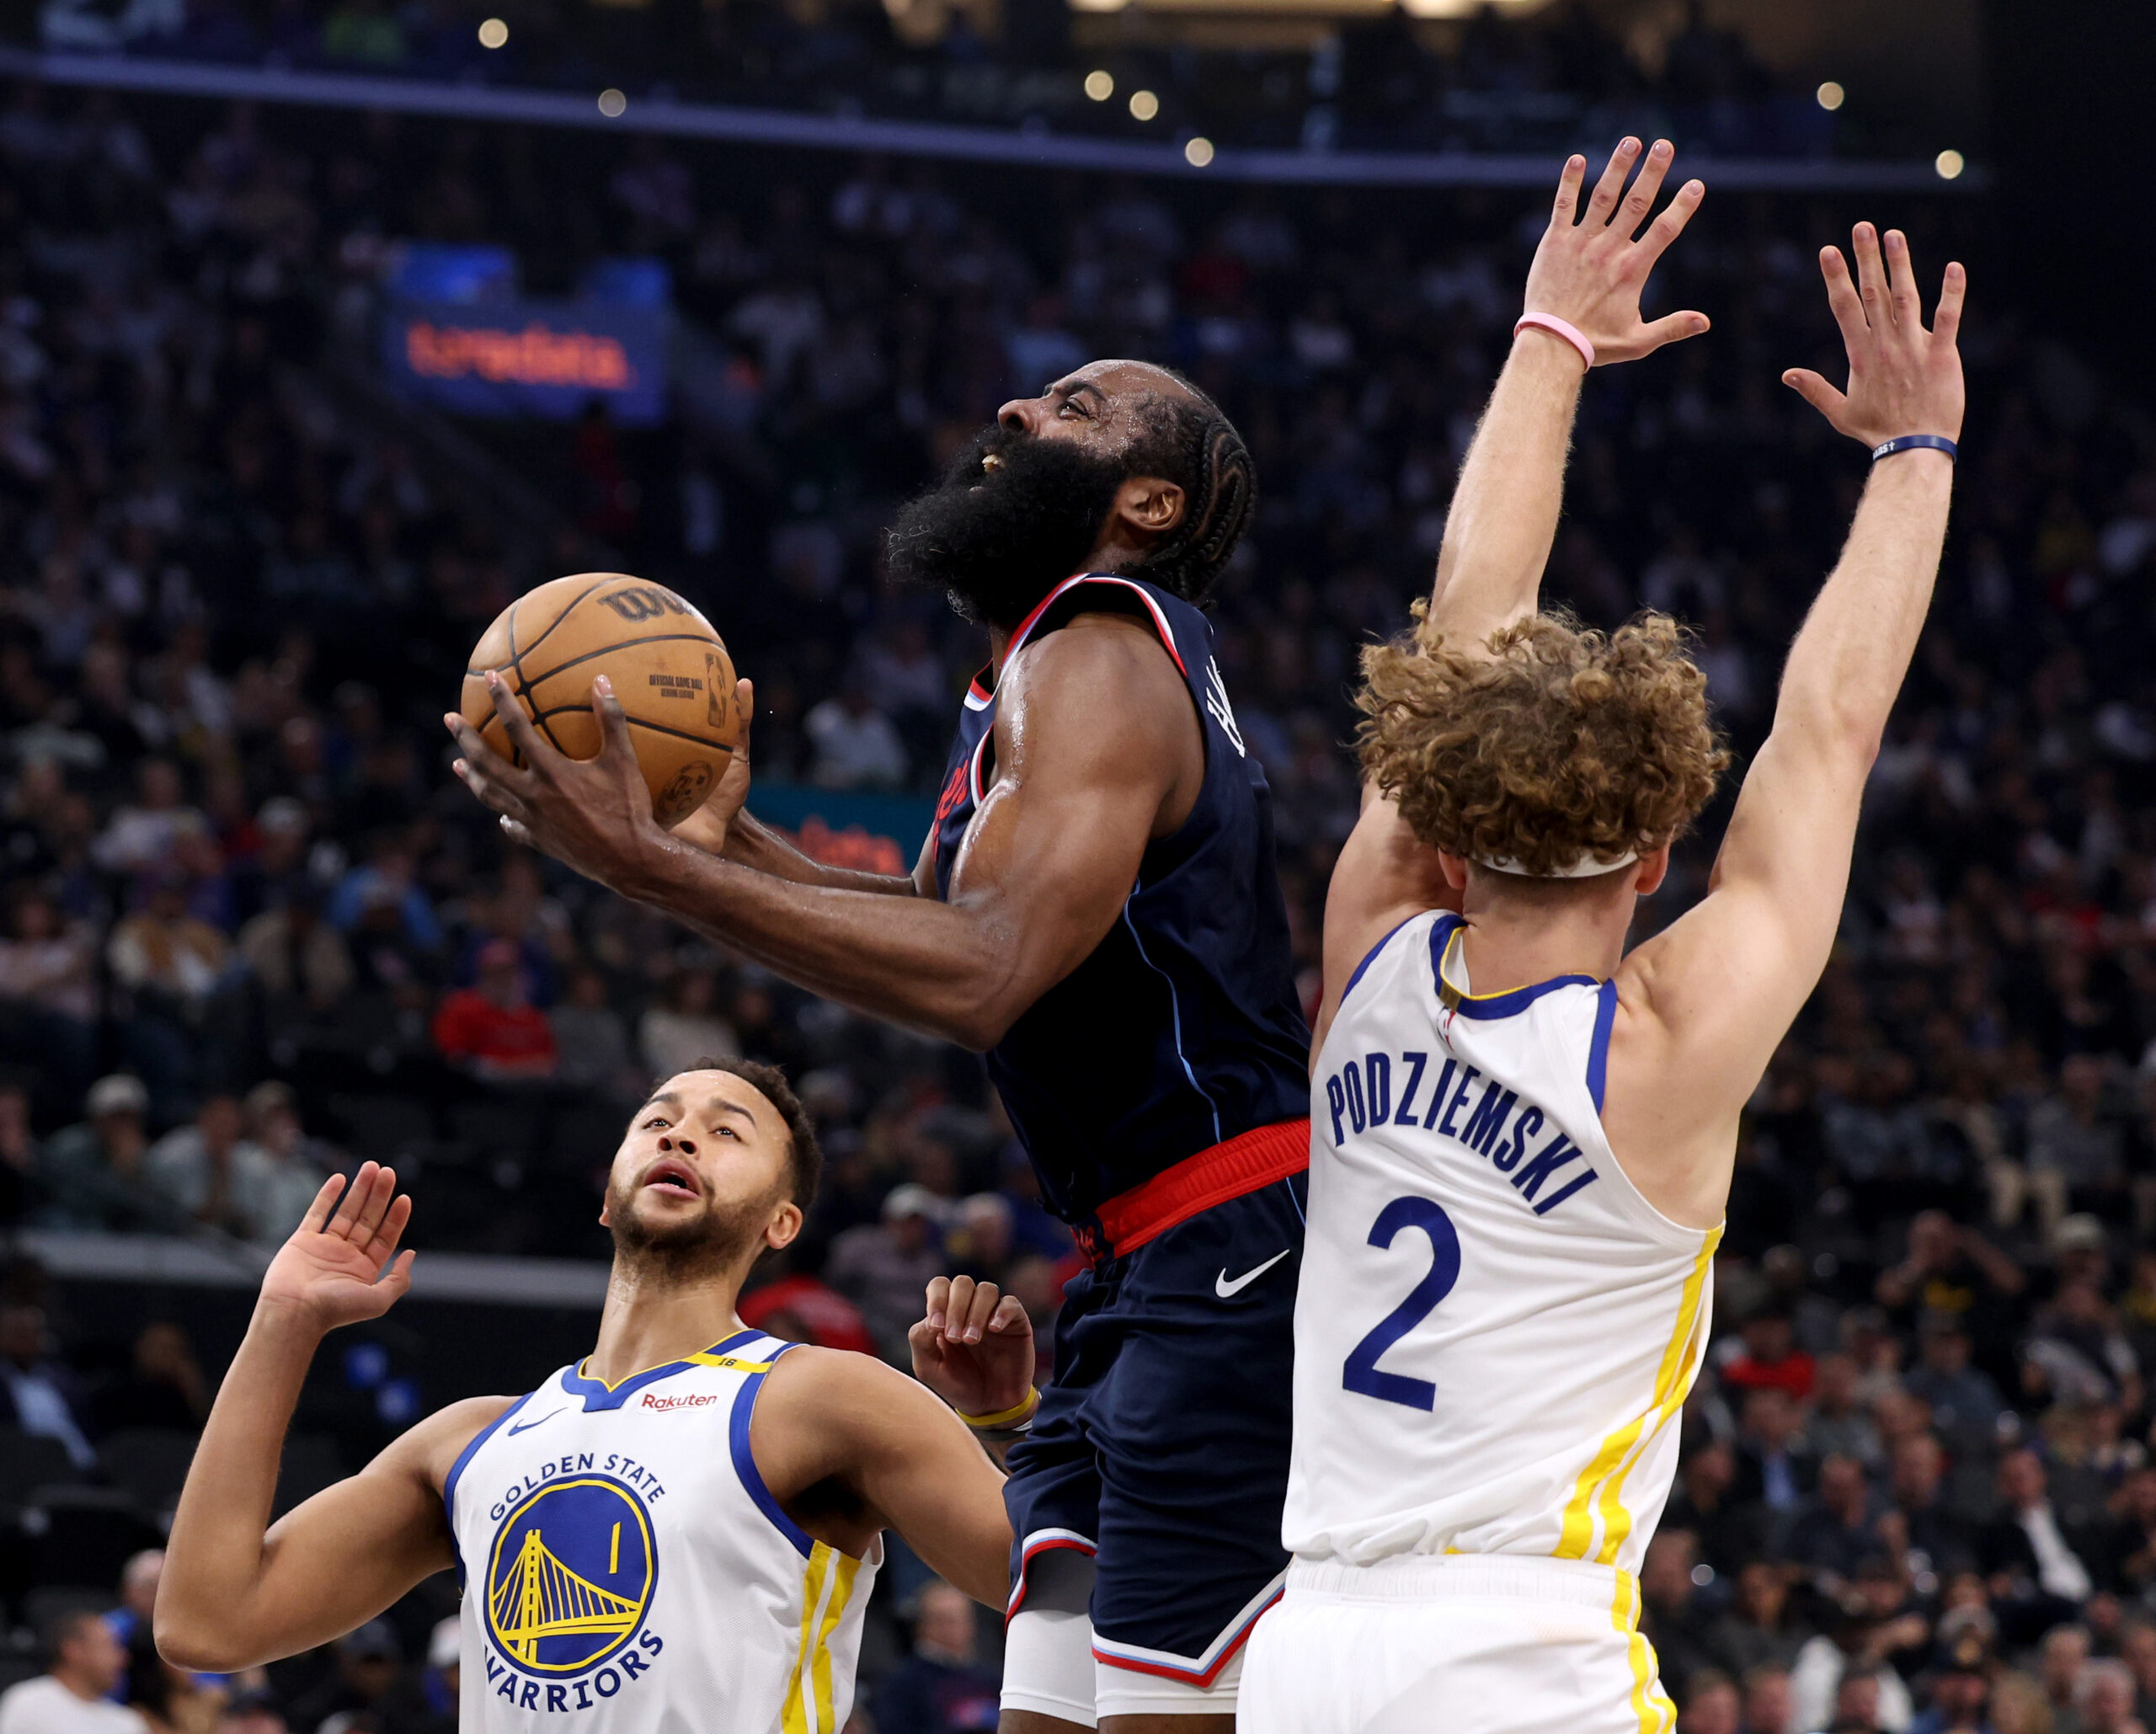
[[1189, 441]]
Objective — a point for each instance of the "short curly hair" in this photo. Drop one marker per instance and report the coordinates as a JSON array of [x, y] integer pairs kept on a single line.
[[1561, 744]]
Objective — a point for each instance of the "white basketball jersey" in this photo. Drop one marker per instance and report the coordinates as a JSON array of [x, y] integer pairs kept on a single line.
[[1494, 1329], [624, 1566]]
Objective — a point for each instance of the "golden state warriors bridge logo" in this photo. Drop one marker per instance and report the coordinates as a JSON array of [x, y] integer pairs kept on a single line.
[[572, 1576]]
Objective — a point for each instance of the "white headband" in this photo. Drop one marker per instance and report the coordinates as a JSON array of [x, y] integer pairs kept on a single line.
[[1585, 867]]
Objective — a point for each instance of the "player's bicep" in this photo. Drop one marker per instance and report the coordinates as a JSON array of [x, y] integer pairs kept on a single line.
[[927, 1475]]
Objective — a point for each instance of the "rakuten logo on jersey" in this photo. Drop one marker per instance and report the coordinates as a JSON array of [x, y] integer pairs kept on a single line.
[[695, 1400]]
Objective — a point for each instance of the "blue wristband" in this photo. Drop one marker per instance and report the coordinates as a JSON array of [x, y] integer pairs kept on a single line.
[[1916, 442]]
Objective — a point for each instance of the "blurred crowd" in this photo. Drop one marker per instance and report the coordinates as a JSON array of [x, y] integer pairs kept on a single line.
[[1379, 81], [253, 931]]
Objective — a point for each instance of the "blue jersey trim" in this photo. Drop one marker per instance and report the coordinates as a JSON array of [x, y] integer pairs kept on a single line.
[[1369, 957], [744, 1461], [599, 1396], [1598, 1053], [456, 1470], [1175, 1018], [1508, 1004]]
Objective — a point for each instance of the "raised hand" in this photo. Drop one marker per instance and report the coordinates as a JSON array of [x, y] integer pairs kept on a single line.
[[975, 1348], [328, 1271], [594, 814], [1902, 378], [1590, 272], [708, 826]]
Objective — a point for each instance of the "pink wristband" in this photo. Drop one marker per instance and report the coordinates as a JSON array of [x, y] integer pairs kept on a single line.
[[1558, 327]]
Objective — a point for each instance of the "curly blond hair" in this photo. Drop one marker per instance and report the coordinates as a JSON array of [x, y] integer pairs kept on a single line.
[[1561, 743]]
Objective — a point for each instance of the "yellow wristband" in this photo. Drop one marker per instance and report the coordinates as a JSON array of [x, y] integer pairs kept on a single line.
[[1003, 1417]]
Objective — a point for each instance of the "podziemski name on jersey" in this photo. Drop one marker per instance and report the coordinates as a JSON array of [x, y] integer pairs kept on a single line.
[[1386, 1090], [569, 1580]]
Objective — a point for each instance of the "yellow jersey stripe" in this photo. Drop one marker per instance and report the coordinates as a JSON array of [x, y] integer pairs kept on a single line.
[[834, 1610], [1624, 1620], [1692, 1328], [1575, 1534], [729, 1362], [795, 1719]]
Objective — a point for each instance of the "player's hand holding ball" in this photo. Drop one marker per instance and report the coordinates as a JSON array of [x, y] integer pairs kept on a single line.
[[599, 712], [976, 1347], [1590, 271], [1903, 379], [325, 1276]]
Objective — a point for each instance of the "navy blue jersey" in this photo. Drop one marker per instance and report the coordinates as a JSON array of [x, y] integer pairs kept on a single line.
[[1181, 1029]]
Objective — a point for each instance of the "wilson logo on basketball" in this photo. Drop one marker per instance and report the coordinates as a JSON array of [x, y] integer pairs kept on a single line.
[[646, 602]]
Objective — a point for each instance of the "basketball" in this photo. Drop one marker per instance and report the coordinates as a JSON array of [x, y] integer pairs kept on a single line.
[[670, 669]]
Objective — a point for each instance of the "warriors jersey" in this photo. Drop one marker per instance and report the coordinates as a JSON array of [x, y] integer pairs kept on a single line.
[[1495, 1329], [624, 1567]]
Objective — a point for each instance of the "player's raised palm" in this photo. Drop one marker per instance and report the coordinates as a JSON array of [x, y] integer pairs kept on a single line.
[[1902, 378], [327, 1271], [975, 1348], [1590, 271]]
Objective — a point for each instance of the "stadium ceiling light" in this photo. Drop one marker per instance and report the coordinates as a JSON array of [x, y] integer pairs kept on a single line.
[[1144, 104], [612, 104], [1099, 86], [1197, 152], [494, 32], [1950, 164], [1831, 96]]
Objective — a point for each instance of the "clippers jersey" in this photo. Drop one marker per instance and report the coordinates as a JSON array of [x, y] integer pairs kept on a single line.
[[1495, 1329], [1182, 1029], [624, 1567]]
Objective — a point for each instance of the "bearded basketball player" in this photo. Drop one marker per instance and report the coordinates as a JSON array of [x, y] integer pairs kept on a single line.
[[680, 1531], [1096, 909], [1525, 1134]]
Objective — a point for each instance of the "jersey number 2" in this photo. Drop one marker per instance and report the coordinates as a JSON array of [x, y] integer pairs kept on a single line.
[[1361, 1373]]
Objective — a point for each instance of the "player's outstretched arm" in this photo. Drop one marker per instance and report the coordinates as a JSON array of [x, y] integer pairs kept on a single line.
[[1589, 271], [1044, 873], [1705, 1002], [237, 1590], [828, 1417]]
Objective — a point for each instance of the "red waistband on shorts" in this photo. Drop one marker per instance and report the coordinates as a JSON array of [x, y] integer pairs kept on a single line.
[[1254, 1158]]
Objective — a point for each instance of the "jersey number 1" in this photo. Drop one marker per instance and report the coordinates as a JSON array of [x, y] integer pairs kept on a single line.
[[1361, 1373]]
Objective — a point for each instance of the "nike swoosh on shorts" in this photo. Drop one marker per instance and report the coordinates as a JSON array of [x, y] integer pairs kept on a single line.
[[1227, 1290]]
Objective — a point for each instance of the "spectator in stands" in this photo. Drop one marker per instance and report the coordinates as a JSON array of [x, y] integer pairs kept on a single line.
[[492, 1027], [1865, 1629], [1837, 1422], [2103, 1697], [1757, 1631], [2037, 1573], [1711, 1706], [300, 961], [883, 1267], [1965, 1404], [170, 1700], [686, 1026], [94, 1175], [593, 1041], [1767, 1709], [20, 1156], [1775, 1465], [39, 1389], [1915, 1494], [1835, 1533], [2061, 1655], [856, 744], [2076, 1353], [1951, 1268], [803, 1308], [199, 1167], [367, 1667], [2077, 1149], [85, 1662], [288, 1167], [979, 1242], [138, 1597], [941, 1688], [49, 990], [1961, 1692], [169, 961], [164, 1386], [1769, 1356]]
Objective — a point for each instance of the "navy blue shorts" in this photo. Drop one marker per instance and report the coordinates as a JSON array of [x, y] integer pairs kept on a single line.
[[1160, 1446]]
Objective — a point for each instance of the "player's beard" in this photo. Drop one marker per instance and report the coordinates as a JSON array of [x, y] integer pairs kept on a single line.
[[999, 540], [688, 1250]]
